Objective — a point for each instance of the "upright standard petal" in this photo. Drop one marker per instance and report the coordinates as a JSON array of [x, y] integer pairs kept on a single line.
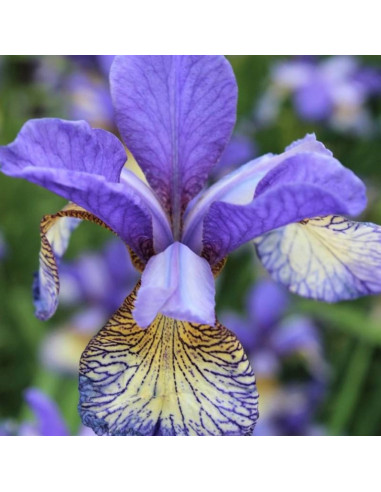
[[175, 378], [326, 258], [178, 284], [82, 165], [304, 185], [175, 114]]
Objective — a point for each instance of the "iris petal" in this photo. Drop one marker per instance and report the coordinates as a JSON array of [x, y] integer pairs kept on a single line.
[[239, 186], [175, 378], [327, 258], [304, 185], [179, 284], [55, 232], [175, 114], [83, 165]]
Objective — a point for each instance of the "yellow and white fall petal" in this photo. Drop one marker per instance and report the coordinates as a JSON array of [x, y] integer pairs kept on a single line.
[[327, 258], [174, 378]]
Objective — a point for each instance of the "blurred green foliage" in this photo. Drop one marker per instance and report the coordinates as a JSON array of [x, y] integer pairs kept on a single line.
[[351, 330]]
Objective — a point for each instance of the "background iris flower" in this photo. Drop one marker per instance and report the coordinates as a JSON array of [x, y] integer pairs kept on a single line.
[[276, 341], [187, 374], [336, 90], [94, 286]]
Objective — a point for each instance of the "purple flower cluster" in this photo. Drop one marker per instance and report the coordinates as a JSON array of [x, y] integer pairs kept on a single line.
[[334, 90]]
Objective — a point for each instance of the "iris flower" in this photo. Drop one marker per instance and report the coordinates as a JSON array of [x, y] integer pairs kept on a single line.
[[163, 364], [271, 336], [335, 90]]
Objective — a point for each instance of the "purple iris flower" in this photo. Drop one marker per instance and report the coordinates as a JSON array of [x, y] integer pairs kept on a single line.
[[163, 364], [269, 335], [334, 90]]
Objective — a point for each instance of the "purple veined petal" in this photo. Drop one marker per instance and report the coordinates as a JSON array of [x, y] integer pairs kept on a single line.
[[162, 234], [178, 284], [266, 303], [304, 185], [327, 258], [82, 165], [175, 114], [51, 143], [239, 187], [49, 418]]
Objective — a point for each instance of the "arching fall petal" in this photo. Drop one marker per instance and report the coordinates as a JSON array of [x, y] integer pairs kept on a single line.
[[83, 165], [240, 186], [55, 233], [304, 185], [174, 378], [326, 258]]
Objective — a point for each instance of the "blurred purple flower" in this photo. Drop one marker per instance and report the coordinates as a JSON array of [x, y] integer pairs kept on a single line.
[[97, 284], [87, 89], [175, 115], [239, 150], [290, 410], [48, 418], [334, 90], [270, 336], [99, 279], [47, 421], [90, 99]]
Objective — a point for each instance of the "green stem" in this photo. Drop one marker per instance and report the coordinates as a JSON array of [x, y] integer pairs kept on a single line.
[[346, 318], [350, 388]]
